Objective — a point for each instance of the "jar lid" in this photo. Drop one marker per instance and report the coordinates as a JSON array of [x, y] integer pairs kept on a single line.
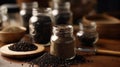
[[11, 8]]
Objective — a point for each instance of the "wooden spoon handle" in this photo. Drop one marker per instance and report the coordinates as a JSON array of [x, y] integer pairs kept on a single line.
[[108, 52]]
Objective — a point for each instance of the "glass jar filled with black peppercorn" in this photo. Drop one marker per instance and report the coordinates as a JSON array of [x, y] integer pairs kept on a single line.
[[63, 42], [87, 35], [41, 26], [26, 13], [61, 12]]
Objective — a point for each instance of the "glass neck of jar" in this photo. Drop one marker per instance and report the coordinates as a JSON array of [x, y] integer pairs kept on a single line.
[[63, 31], [29, 5], [41, 11], [63, 35], [88, 27], [62, 5]]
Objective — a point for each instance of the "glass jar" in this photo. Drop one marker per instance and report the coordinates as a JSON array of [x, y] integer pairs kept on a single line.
[[63, 42], [61, 12], [26, 13], [10, 15], [41, 26], [87, 35]]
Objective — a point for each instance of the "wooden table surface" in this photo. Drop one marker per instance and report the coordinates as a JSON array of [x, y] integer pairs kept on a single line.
[[97, 60]]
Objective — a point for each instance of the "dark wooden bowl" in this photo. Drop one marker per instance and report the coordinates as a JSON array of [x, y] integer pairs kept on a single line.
[[10, 37]]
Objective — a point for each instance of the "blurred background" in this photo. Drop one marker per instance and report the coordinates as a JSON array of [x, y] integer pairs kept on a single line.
[[111, 7]]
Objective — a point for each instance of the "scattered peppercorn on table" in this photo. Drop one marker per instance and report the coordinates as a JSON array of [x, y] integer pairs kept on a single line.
[[91, 59]]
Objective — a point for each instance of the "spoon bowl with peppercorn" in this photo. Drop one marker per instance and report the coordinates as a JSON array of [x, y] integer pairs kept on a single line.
[[21, 50], [25, 48]]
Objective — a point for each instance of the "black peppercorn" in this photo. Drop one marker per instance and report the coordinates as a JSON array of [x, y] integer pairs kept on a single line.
[[48, 60], [41, 29], [22, 46]]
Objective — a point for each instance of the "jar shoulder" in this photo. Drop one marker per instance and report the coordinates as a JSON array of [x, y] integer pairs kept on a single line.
[[56, 38]]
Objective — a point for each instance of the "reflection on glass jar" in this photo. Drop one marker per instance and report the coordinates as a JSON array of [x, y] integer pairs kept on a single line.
[[63, 42], [87, 34], [41, 26], [26, 13]]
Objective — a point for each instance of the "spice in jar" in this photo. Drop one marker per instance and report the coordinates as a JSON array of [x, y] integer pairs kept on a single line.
[[87, 39], [63, 42], [61, 12], [87, 34], [62, 18], [40, 27]]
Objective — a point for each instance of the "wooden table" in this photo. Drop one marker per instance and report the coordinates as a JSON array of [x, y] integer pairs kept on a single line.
[[97, 60]]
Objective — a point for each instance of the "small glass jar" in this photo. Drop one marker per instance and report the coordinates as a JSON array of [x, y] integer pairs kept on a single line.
[[26, 13], [87, 35], [62, 13], [41, 26], [63, 42], [10, 15]]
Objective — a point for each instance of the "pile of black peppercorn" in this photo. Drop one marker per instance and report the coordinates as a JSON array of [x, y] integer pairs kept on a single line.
[[25, 44], [22, 46], [48, 60]]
